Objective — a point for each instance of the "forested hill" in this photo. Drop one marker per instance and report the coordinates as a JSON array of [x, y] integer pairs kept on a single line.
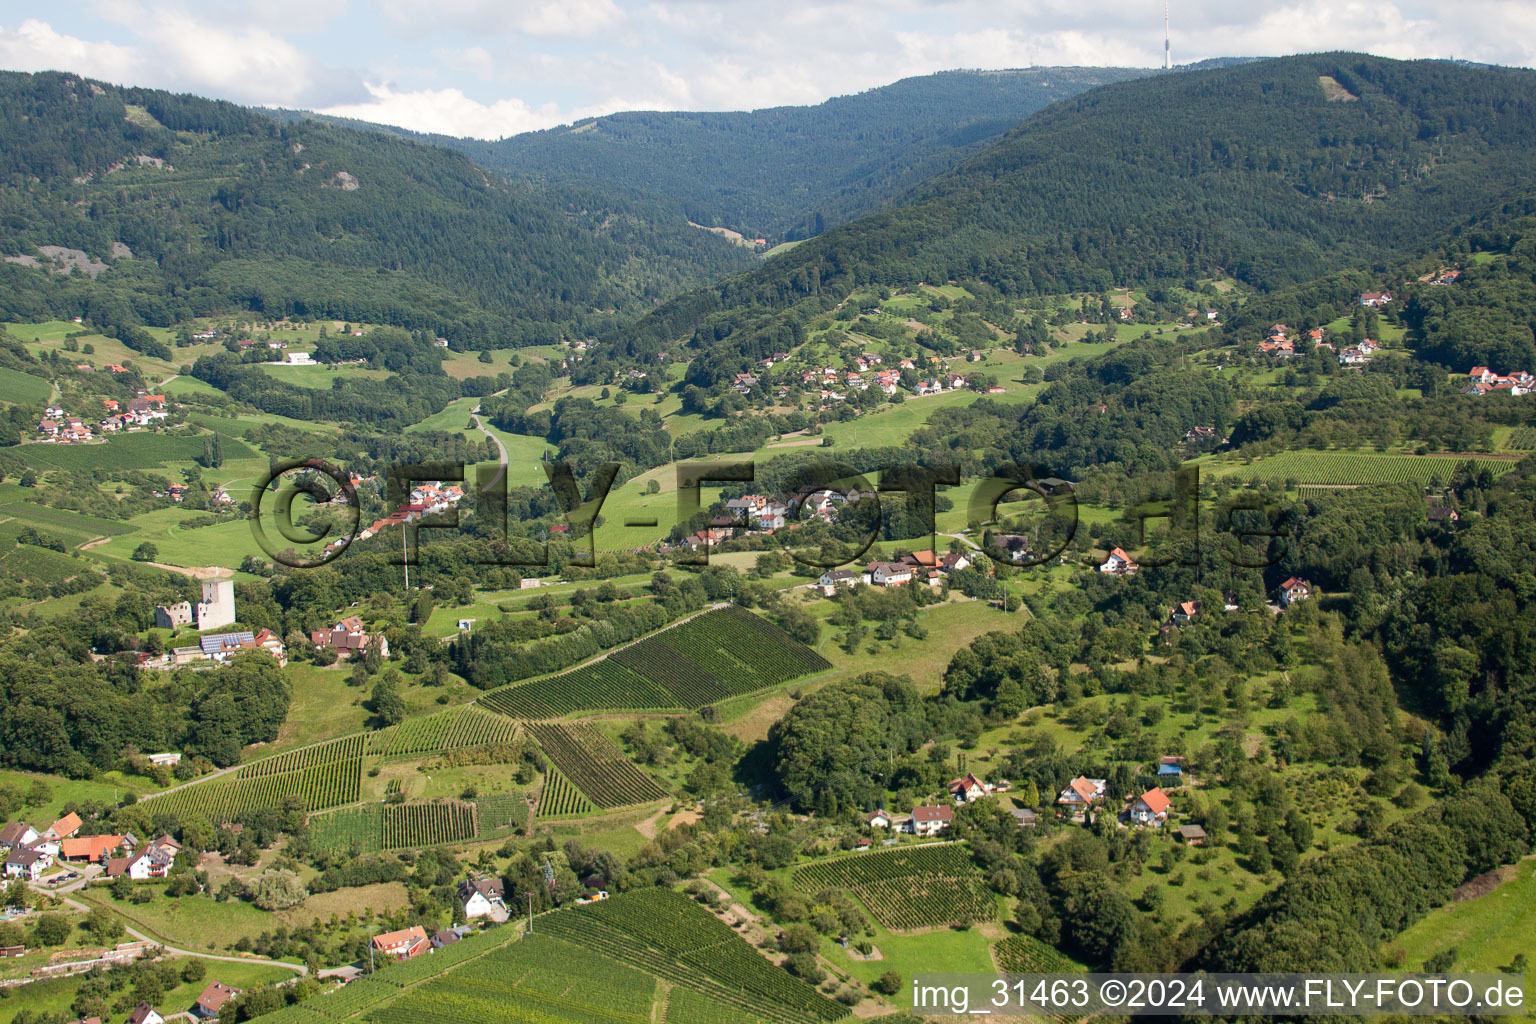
[[1272, 172], [221, 205], [787, 172]]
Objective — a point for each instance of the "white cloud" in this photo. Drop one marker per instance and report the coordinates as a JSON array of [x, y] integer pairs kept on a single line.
[[35, 46], [446, 112]]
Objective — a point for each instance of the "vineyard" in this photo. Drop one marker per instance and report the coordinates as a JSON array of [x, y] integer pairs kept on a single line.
[[1025, 954], [591, 763], [352, 828], [318, 786], [344, 749], [601, 686], [561, 799], [454, 729], [538, 980], [665, 933], [908, 889], [720, 654], [685, 1006], [415, 825], [1332, 467], [1522, 439]]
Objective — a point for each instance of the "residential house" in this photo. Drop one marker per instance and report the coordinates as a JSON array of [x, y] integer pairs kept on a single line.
[[92, 849], [1150, 808], [930, 821], [1375, 300], [878, 818], [969, 788], [483, 898], [213, 999], [444, 938], [1184, 613], [153, 861], [403, 944], [1279, 347], [1199, 435], [1443, 514], [348, 637], [954, 561], [1025, 816], [889, 574], [1118, 563], [920, 559], [1293, 590], [64, 827], [1353, 357], [17, 834], [145, 1014], [1083, 792], [27, 863], [830, 580]]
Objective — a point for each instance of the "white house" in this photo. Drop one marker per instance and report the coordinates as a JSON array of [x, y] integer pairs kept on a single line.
[[1118, 563], [878, 818], [1150, 808], [889, 574], [27, 863], [16, 834], [1293, 590], [969, 788], [930, 821], [1083, 792], [145, 1014], [483, 898]]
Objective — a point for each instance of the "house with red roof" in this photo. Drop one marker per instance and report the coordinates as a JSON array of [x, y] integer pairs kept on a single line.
[[930, 821], [1293, 590], [1118, 563], [403, 944], [1150, 808], [1083, 792]]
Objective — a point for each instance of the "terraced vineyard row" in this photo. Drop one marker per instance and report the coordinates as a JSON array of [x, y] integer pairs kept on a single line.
[[720, 654], [1025, 954], [538, 980], [454, 729], [602, 685], [1332, 467], [223, 799], [343, 749], [907, 889], [664, 933], [561, 799], [1522, 439], [595, 766], [415, 825]]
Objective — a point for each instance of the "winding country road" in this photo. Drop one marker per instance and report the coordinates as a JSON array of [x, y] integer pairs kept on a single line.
[[474, 414]]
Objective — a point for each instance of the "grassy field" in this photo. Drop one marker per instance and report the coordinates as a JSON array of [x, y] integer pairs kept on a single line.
[[189, 922], [1351, 467], [64, 791], [321, 377], [225, 544], [23, 388], [950, 626], [1486, 932]]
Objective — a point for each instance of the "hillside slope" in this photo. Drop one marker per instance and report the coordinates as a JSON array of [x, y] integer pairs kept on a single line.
[[790, 172], [220, 205], [1272, 172]]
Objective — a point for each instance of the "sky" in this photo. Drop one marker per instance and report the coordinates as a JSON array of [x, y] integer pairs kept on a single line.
[[492, 68]]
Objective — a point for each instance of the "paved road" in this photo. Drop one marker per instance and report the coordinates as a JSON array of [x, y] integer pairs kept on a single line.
[[474, 414]]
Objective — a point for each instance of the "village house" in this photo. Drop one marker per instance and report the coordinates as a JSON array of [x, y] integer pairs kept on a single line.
[[403, 944], [1199, 435], [483, 898], [969, 788], [878, 818], [145, 1014], [64, 827], [153, 861], [27, 863], [930, 821], [348, 637], [94, 849], [213, 999], [1082, 793], [1279, 347], [1118, 563], [1293, 590], [218, 648], [1025, 816], [1443, 514], [1184, 613], [17, 834], [830, 580], [1150, 808], [889, 574], [1375, 300]]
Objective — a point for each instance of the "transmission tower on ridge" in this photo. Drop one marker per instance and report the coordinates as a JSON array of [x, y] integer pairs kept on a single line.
[[1167, 46]]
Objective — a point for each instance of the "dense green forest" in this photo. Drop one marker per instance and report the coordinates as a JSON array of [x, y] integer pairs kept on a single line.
[[218, 206], [1264, 172], [790, 172]]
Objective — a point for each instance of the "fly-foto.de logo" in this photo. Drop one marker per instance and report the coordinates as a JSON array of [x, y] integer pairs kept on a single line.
[[1021, 516]]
